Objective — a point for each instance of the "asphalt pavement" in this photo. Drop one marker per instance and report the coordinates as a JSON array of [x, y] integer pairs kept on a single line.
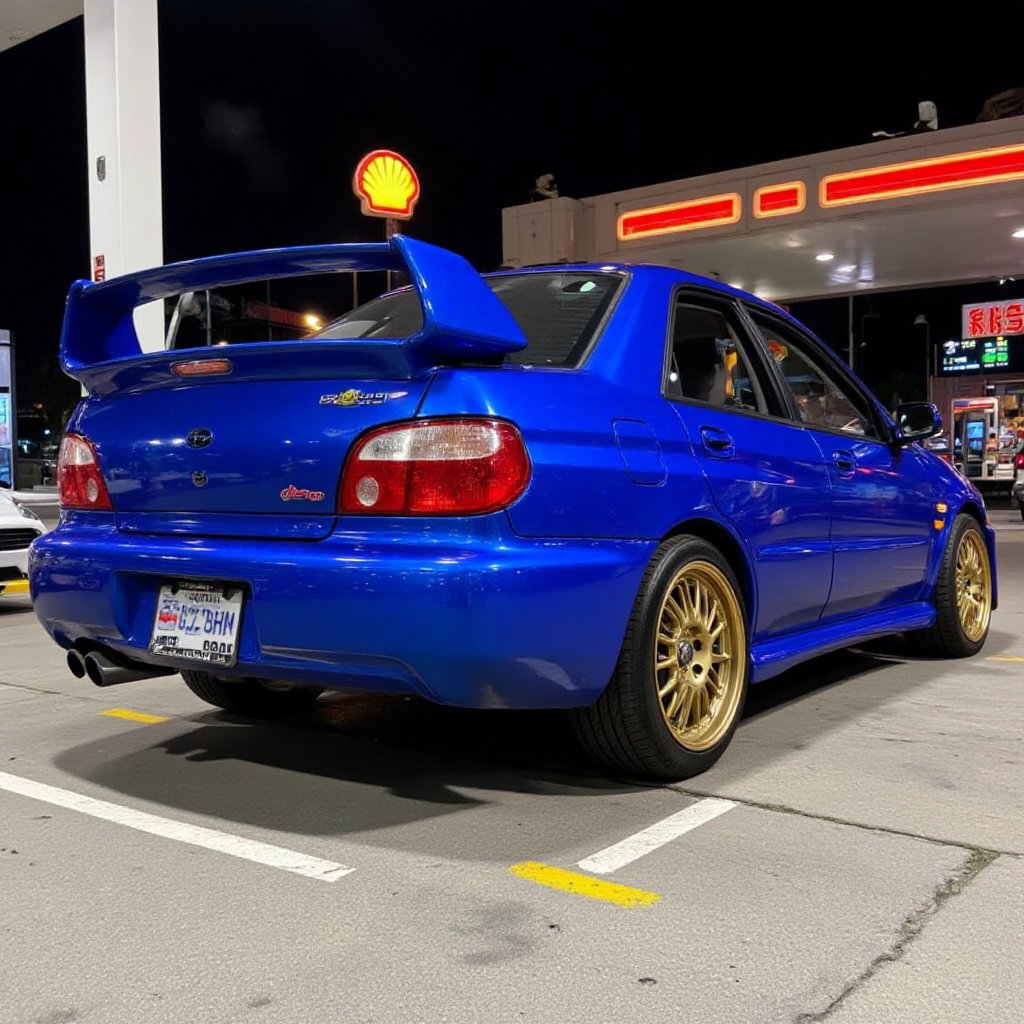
[[855, 857]]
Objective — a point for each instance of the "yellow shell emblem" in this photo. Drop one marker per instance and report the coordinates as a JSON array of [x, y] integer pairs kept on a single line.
[[349, 397], [387, 185]]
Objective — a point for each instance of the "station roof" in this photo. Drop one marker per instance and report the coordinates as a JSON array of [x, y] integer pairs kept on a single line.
[[23, 19], [933, 208]]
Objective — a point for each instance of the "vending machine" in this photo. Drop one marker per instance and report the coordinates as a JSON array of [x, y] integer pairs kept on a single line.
[[983, 446]]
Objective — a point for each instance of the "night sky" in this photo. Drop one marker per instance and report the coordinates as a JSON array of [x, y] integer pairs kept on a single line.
[[267, 107]]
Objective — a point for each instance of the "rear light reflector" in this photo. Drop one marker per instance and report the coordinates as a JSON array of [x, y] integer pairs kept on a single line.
[[435, 467], [1020, 461], [79, 481]]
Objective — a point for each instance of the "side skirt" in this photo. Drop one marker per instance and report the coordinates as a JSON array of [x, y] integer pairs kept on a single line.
[[774, 656]]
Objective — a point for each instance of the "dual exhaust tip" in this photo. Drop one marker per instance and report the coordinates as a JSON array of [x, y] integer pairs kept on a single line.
[[104, 672]]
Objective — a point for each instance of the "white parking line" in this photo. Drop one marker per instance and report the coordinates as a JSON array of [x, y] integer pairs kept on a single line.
[[658, 834], [195, 835]]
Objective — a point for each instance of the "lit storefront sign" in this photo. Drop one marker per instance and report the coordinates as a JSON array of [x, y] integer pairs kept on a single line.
[[989, 319], [917, 177], [981, 355], [961, 357], [870, 184], [386, 184], [691, 215], [780, 200]]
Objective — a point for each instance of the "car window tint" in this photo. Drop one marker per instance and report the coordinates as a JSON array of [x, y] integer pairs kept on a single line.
[[558, 312], [708, 363], [823, 399], [397, 315]]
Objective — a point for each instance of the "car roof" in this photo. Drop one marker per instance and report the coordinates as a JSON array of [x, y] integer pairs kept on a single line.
[[641, 269]]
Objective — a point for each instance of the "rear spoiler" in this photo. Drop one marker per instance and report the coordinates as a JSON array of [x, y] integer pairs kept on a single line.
[[463, 321]]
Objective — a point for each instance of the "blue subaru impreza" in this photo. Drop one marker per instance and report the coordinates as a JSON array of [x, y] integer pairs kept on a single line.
[[621, 490]]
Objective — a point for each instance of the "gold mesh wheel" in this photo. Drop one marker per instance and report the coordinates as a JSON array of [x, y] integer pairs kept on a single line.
[[699, 656], [973, 585]]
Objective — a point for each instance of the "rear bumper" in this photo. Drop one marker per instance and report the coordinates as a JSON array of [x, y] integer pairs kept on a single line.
[[460, 611]]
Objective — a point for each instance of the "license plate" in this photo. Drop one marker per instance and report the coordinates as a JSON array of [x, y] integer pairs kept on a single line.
[[197, 622]]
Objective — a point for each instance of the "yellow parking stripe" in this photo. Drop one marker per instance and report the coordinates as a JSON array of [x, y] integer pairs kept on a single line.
[[134, 716], [14, 587], [1003, 657], [583, 885]]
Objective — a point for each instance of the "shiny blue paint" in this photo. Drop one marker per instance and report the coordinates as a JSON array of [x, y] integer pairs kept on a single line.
[[832, 535], [640, 451], [771, 657], [770, 484], [882, 534], [271, 435], [459, 610]]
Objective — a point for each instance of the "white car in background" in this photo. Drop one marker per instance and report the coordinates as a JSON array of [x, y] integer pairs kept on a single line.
[[19, 526]]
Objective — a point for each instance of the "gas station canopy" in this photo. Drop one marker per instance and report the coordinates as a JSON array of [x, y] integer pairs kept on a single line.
[[23, 19], [933, 208]]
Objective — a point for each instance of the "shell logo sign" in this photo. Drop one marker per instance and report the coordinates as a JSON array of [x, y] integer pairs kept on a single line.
[[386, 185]]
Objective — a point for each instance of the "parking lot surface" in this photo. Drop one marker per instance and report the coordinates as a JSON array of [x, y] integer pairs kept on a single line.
[[855, 857]]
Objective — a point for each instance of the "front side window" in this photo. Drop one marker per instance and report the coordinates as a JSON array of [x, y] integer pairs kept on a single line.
[[822, 398], [707, 362]]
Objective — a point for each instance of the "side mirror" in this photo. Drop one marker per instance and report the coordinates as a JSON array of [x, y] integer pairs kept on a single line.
[[915, 421]]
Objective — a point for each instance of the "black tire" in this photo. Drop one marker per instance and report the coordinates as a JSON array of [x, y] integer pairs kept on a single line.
[[948, 638], [1020, 509], [251, 696], [627, 728]]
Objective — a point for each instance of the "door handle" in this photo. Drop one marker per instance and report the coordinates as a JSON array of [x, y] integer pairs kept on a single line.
[[846, 462], [717, 442]]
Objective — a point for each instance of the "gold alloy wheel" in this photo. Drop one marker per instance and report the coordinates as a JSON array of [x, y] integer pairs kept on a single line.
[[973, 585], [699, 656]]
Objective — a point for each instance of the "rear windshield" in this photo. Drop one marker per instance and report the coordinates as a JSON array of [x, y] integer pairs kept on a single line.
[[558, 312]]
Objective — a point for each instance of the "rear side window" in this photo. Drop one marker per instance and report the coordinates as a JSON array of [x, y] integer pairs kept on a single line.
[[560, 314], [707, 362]]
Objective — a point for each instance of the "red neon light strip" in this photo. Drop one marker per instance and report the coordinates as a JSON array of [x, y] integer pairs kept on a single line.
[[778, 200], [688, 216], [960, 170]]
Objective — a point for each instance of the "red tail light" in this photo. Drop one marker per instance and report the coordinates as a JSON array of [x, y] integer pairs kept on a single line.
[[79, 482], [1020, 461], [435, 467]]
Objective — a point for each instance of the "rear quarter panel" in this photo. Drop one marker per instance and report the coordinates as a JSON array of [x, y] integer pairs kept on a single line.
[[605, 462], [610, 457]]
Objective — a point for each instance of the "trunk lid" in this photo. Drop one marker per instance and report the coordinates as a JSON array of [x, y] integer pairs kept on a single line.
[[250, 457]]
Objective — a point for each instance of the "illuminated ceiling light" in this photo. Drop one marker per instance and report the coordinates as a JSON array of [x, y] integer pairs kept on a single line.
[[1019, 233], [918, 177], [780, 200], [691, 215], [825, 257]]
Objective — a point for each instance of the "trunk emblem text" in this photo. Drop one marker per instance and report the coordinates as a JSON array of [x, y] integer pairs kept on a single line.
[[353, 396], [199, 438], [293, 493]]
